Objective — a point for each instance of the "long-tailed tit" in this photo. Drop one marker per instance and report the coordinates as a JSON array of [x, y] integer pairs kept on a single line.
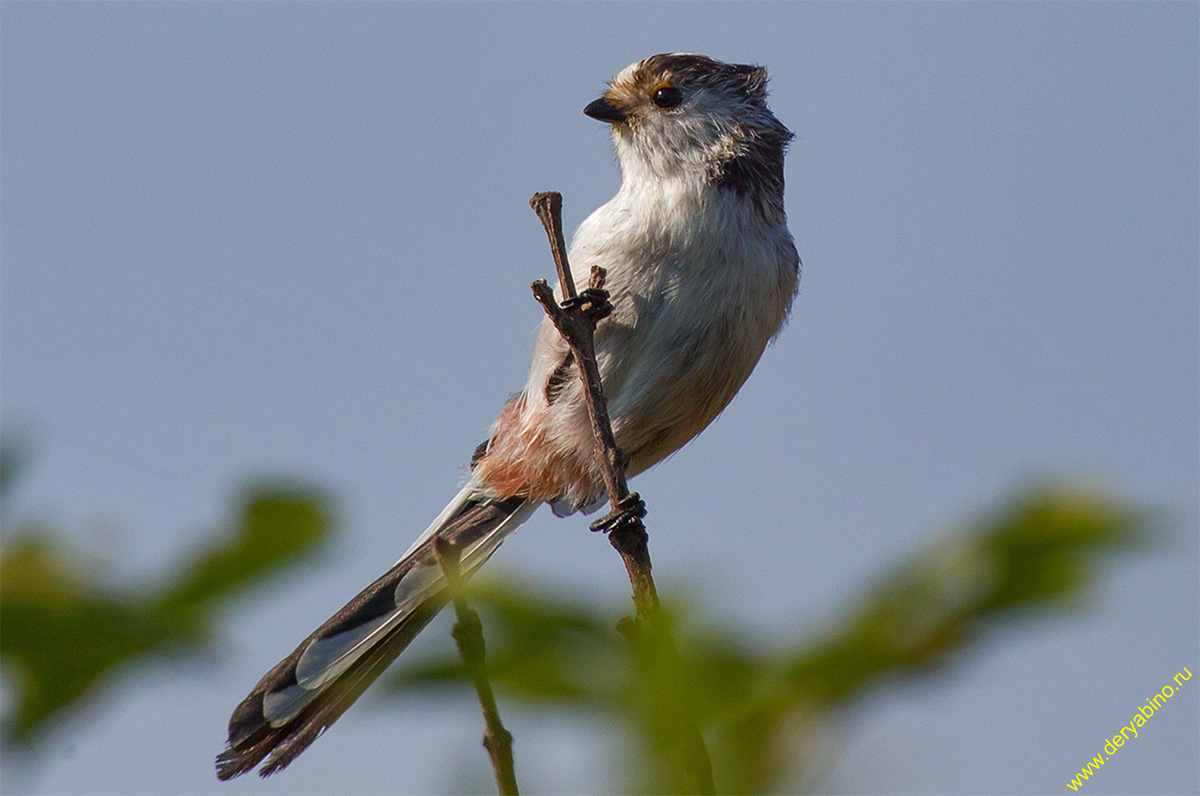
[[701, 274]]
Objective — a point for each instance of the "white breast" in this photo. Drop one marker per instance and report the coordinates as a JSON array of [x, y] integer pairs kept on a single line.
[[700, 283]]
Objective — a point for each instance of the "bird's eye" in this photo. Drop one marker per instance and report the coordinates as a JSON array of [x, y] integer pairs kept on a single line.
[[666, 96]]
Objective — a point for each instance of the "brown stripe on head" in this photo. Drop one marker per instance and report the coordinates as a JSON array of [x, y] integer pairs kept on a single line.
[[697, 70]]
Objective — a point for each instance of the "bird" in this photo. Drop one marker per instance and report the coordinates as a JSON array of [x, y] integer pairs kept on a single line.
[[702, 272]]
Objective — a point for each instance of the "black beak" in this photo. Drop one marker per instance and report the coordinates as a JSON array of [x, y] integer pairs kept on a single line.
[[605, 111]]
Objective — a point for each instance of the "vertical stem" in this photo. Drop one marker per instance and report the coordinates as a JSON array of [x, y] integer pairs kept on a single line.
[[468, 635], [548, 207]]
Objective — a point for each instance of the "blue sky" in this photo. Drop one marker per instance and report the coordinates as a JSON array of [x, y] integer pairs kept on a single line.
[[292, 240]]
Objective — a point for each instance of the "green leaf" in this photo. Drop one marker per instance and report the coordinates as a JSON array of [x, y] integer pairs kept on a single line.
[[276, 527], [761, 709], [62, 635], [66, 634]]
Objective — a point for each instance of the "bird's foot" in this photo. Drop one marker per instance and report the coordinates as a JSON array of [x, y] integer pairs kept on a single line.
[[592, 302], [625, 516]]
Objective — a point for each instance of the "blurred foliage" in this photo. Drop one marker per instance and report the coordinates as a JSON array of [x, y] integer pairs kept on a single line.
[[65, 633], [12, 459], [762, 710]]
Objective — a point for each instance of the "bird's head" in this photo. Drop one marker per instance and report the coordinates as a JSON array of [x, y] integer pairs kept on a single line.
[[687, 117]]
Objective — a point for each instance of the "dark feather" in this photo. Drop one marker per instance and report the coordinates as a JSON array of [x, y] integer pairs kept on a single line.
[[560, 377], [252, 739]]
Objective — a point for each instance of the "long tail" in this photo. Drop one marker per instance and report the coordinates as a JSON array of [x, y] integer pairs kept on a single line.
[[308, 690]]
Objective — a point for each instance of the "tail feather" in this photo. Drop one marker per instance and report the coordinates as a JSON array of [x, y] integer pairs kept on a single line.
[[307, 691]]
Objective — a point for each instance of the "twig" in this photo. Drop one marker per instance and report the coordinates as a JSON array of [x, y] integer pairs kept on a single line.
[[576, 318], [468, 635]]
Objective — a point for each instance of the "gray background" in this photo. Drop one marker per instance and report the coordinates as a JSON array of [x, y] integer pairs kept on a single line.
[[248, 239]]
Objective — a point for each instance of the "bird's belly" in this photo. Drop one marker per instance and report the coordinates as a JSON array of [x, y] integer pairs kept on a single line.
[[686, 372]]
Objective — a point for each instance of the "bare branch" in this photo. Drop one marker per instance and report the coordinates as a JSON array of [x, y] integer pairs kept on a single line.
[[576, 318], [548, 207], [468, 635]]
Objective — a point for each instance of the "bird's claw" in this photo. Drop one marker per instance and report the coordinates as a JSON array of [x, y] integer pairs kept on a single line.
[[592, 302], [628, 513]]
